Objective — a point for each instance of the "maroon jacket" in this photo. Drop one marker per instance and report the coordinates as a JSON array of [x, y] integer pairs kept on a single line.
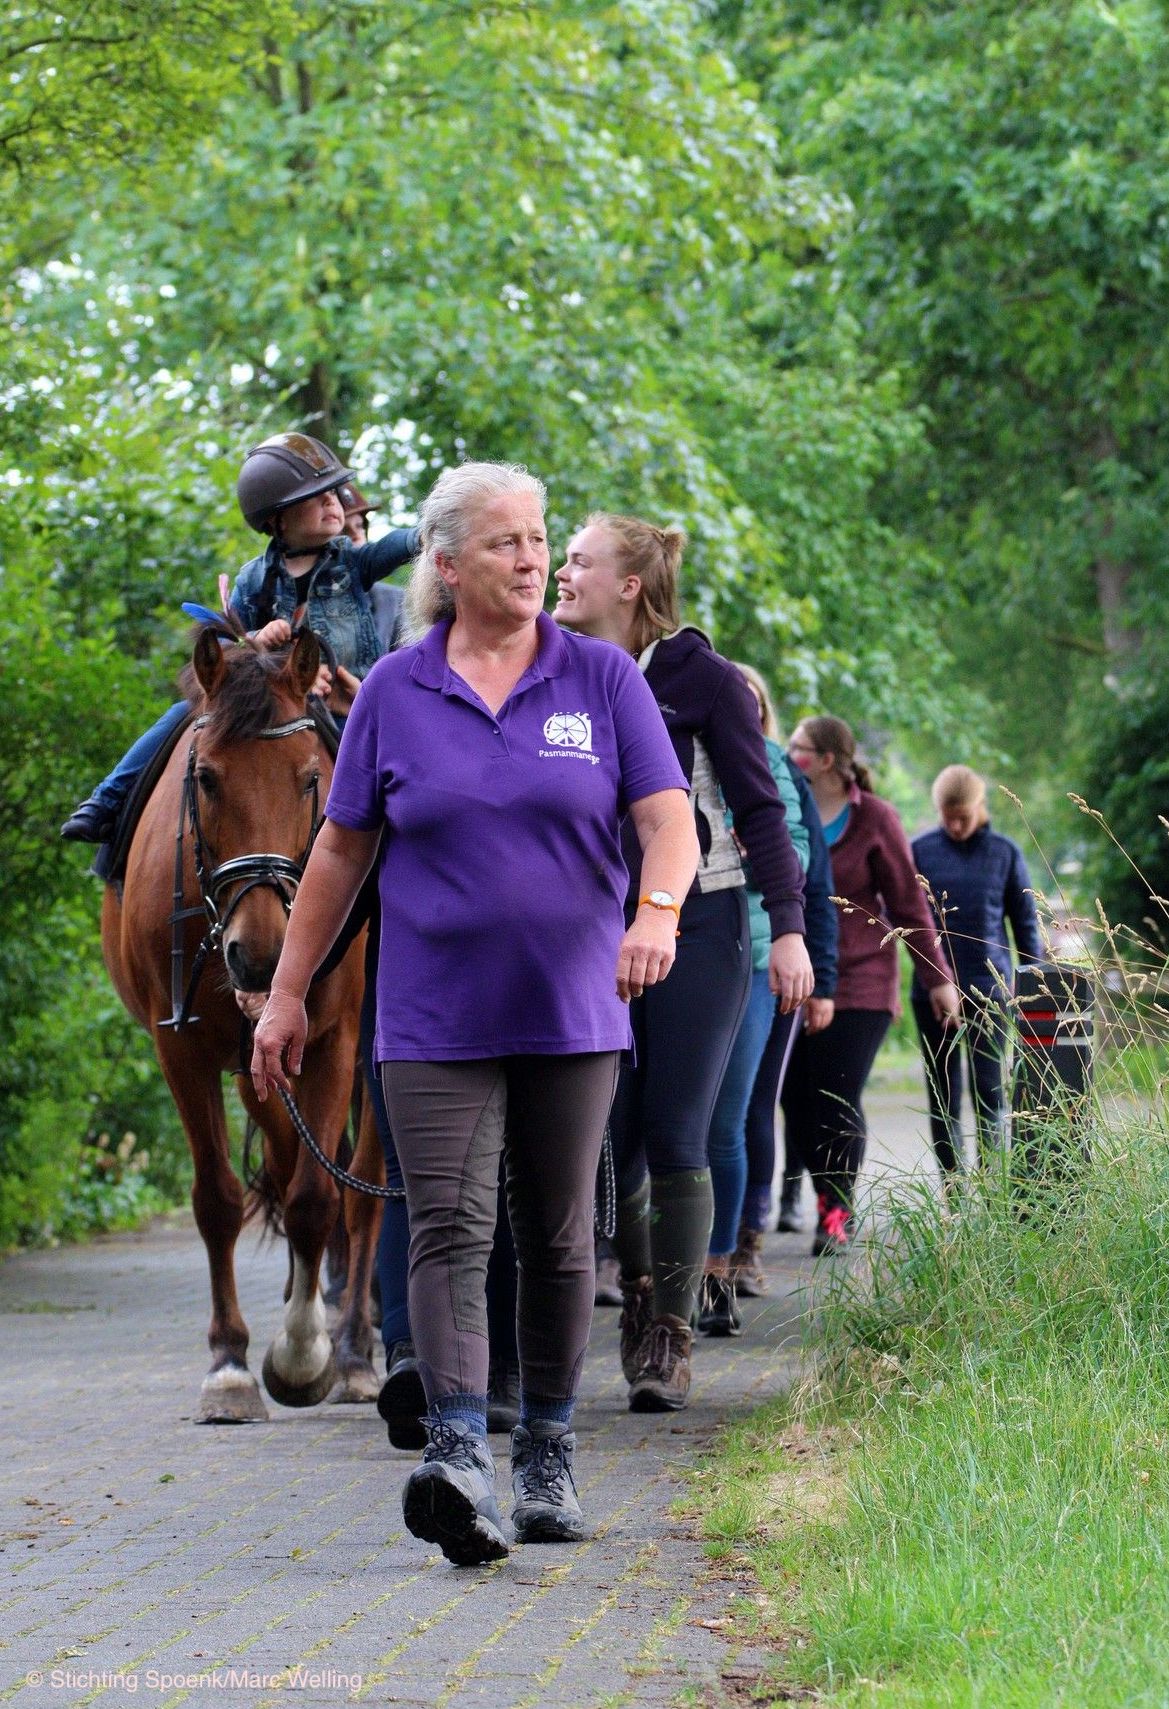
[[873, 872]]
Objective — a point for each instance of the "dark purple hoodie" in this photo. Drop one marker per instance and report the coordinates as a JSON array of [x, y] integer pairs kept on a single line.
[[711, 714]]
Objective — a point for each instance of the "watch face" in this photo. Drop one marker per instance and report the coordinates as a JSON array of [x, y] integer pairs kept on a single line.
[[662, 898]]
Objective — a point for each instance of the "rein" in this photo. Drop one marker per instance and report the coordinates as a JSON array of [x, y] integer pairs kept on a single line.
[[250, 872]]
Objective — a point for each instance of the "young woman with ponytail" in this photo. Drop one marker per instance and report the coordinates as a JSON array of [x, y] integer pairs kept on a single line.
[[620, 583], [875, 884]]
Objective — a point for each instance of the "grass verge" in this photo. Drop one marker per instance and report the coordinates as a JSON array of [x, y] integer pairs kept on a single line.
[[968, 1504]]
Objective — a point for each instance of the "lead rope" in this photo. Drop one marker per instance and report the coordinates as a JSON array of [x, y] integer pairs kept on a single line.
[[605, 1195], [604, 1203]]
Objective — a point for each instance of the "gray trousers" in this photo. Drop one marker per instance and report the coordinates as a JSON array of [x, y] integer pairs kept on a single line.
[[450, 1121]]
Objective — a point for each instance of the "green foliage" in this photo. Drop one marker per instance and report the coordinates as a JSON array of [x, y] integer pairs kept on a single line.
[[1129, 787], [1005, 168]]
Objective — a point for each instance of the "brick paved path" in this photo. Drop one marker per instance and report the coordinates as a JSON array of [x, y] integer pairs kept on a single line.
[[135, 1545]]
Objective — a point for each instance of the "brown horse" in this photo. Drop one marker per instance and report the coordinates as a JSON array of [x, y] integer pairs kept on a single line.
[[230, 823]]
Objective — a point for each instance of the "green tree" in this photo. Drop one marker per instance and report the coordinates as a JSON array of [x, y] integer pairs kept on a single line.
[[1006, 168]]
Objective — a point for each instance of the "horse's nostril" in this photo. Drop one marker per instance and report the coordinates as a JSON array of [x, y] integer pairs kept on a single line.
[[248, 971]]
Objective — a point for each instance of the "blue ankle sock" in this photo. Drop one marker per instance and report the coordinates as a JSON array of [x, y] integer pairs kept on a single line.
[[471, 1408], [539, 1407]]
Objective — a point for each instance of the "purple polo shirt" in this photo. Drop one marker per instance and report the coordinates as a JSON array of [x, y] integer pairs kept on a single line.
[[502, 881]]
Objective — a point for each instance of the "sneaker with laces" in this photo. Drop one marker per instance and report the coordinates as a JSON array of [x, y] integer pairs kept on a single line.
[[402, 1400], [832, 1234], [546, 1506], [663, 1382], [449, 1498], [718, 1309], [637, 1310]]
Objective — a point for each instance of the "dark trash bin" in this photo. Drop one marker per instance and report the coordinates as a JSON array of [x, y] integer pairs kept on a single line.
[[1054, 1016]]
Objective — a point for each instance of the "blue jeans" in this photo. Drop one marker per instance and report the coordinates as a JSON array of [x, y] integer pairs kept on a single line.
[[113, 790], [727, 1138]]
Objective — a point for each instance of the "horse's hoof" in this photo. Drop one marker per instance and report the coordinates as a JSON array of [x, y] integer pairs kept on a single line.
[[357, 1387], [231, 1395], [298, 1394]]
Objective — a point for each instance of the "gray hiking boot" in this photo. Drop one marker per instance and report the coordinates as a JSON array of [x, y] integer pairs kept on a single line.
[[449, 1498], [546, 1507]]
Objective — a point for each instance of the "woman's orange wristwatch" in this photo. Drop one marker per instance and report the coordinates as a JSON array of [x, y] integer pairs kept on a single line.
[[663, 900]]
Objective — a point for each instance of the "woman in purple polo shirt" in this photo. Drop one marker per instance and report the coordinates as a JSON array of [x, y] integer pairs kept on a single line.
[[500, 755], [620, 582]]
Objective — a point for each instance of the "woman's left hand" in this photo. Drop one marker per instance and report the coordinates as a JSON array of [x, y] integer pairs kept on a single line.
[[647, 951], [279, 1043], [789, 972]]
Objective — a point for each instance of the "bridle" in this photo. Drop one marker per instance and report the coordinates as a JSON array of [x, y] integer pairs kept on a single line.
[[249, 872]]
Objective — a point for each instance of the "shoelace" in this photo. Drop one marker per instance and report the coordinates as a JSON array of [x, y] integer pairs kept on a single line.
[[546, 1468], [662, 1350], [447, 1443]]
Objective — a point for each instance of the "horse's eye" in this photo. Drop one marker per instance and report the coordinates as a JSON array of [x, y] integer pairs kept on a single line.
[[208, 782], [312, 783]]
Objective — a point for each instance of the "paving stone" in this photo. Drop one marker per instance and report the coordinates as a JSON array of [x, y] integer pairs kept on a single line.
[[134, 1539]]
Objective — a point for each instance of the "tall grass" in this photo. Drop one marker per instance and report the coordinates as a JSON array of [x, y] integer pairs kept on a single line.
[[988, 1523]]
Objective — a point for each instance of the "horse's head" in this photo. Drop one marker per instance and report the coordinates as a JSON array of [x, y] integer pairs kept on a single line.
[[258, 774]]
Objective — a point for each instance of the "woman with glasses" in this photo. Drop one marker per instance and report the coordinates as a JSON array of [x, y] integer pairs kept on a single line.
[[876, 889]]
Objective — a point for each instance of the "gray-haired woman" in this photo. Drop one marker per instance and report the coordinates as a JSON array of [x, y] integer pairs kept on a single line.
[[500, 755]]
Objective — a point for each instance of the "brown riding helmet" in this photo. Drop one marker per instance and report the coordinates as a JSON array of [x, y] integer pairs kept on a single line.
[[353, 500], [283, 470]]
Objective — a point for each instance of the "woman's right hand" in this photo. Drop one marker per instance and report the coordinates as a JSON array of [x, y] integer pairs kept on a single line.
[[279, 1044]]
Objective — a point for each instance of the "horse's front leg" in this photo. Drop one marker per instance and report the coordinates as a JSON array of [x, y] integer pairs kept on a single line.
[[230, 1393], [298, 1367], [356, 1379]]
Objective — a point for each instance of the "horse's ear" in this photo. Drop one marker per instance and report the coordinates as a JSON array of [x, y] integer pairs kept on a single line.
[[304, 662], [208, 662]]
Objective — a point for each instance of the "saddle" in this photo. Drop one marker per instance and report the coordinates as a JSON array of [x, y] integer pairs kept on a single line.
[[109, 864]]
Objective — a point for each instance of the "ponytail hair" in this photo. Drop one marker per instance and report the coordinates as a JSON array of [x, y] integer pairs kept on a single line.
[[832, 736], [654, 556]]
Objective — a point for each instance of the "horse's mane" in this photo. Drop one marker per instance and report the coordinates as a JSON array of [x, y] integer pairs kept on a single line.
[[245, 704]]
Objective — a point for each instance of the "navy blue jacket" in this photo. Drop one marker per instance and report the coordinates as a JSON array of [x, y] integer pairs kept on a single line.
[[820, 927], [976, 888]]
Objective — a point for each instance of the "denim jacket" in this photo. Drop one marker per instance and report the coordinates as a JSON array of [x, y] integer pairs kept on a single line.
[[338, 602]]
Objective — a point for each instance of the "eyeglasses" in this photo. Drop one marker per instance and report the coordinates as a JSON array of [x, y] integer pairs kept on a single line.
[[801, 748]]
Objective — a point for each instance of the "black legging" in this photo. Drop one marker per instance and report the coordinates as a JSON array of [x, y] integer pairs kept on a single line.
[[683, 1030], [982, 1041], [821, 1101]]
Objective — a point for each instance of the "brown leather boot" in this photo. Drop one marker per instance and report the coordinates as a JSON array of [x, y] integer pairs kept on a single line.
[[637, 1309], [663, 1382], [746, 1268]]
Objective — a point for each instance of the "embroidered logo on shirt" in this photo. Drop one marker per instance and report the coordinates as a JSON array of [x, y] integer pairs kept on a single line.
[[570, 730], [571, 737]]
